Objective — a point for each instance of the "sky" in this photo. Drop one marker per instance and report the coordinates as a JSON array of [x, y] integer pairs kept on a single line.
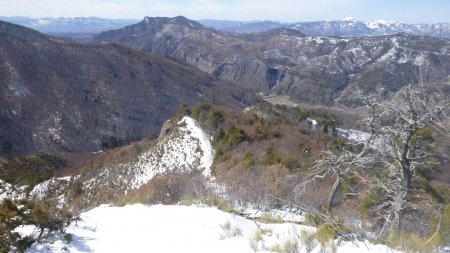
[[410, 11]]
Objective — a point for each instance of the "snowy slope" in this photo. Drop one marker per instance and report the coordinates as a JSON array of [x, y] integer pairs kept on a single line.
[[141, 228], [185, 148], [188, 149]]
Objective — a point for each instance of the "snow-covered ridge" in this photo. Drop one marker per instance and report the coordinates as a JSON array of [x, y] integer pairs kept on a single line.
[[184, 148], [187, 149], [158, 228]]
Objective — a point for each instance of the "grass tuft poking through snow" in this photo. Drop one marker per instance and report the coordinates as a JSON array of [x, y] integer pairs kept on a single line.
[[229, 231]]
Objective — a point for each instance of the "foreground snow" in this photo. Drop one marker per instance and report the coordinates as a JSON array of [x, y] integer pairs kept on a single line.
[[158, 228]]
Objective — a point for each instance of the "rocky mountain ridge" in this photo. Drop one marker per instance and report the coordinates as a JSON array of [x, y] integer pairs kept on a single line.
[[311, 69], [348, 27], [58, 96]]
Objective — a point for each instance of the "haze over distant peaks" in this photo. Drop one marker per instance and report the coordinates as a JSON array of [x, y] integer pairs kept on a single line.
[[347, 27], [70, 24]]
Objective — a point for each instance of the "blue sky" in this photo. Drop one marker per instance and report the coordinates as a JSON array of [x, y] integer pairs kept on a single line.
[[411, 11]]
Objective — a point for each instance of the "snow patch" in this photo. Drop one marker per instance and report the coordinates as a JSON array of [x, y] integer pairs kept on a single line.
[[8, 191], [420, 60], [205, 144], [353, 135]]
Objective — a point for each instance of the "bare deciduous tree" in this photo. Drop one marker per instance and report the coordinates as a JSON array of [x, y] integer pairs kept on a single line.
[[399, 141], [341, 165], [405, 135]]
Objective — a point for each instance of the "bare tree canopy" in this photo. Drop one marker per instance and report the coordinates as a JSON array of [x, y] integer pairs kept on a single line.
[[401, 138]]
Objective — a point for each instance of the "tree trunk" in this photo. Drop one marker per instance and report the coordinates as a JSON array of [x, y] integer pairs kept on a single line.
[[333, 191], [41, 233], [404, 161], [387, 224]]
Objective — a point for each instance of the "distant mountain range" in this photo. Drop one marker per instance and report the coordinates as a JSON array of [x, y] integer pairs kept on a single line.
[[344, 28], [57, 25], [282, 61]]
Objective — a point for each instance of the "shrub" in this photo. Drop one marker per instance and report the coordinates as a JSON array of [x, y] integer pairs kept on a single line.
[[68, 237], [325, 235], [308, 240], [249, 159], [290, 163], [233, 137], [369, 200], [31, 169], [347, 185], [270, 218], [248, 121], [219, 203], [423, 137], [312, 220], [151, 137], [229, 231], [257, 237], [200, 112], [305, 149], [215, 117], [412, 243], [271, 156], [43, 215], [210, 201], [289, 246], [218, 137], [260, 134], [183, 110]]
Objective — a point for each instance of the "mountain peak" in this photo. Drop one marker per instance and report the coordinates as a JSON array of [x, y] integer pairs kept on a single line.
[[18, 31], [178, 20], [350, 19], [181, 20]]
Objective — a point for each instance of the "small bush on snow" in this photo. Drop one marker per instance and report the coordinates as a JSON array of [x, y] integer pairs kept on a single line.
[[290, 246], [257, 237], [308, 240], [270, 218], [229, 231]]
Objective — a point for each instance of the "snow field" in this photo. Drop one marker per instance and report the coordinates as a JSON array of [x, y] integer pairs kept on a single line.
[[159, 228]]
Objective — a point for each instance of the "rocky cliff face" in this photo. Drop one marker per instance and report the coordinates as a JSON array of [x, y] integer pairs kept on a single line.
[[63, 97], [312, 69]]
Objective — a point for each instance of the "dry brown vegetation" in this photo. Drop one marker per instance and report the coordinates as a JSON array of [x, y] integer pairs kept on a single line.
[[262, 153]]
